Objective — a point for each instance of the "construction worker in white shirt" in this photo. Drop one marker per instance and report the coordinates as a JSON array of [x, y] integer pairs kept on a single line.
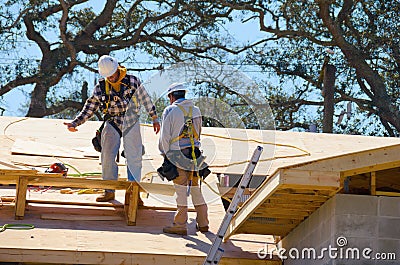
[[180, 134]]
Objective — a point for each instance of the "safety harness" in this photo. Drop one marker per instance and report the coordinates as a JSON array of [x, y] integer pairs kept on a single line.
[[189, 132], [106, 88]]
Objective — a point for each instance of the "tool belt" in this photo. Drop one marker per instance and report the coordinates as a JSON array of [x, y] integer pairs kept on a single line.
[[183, 159], [96, 140]]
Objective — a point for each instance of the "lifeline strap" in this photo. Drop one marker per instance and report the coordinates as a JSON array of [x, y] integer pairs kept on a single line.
[[191, 134]]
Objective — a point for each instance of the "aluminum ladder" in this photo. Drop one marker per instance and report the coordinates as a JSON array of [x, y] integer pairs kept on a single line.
[[215, 253]]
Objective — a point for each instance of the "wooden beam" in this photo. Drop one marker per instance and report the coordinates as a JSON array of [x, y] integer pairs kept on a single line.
[[78, 183], [131, 204], [20, 198], [373, 183], [285, 178], [254, 227], [387, 193], [310, 178], [300, 197], [260, 195], [289, 206], [283, 201], [17, 172], [76, 217], [97, 204], [288, 215], [9, 179], [358, 162]]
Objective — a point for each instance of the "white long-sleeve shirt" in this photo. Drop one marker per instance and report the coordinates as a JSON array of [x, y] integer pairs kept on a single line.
[[172, 123]]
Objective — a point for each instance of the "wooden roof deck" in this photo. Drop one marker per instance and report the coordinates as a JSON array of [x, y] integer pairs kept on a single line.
[[99, 235], [303, 171], [69, 234]]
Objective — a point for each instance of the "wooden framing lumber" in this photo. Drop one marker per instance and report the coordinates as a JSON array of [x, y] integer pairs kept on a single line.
[[373, 183], [251, 204], [131, 187], [387, 193], [20, 198], [76, 217], [131, 204], [278, 187], [358, 162], [309, 178]]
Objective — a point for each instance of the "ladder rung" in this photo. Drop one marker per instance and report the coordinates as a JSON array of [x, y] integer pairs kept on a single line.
[[215, 253]]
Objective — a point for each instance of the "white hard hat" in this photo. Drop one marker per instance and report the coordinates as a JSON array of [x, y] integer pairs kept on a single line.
[[176, 87], [107, 65]]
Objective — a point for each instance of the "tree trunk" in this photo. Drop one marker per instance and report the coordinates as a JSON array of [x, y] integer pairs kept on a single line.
[[37, 107]]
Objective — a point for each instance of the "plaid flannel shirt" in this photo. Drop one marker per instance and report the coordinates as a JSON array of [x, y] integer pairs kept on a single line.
[[124, 111]]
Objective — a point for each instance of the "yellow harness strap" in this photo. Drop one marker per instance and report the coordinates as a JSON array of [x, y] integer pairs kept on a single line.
[[107, 86], [189, 124]]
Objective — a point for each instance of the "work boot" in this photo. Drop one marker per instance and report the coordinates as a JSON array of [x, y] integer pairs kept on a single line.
[[202, 229], [179, 230], [107, 196]]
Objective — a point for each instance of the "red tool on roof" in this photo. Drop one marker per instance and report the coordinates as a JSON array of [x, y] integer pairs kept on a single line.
[[57, 168]]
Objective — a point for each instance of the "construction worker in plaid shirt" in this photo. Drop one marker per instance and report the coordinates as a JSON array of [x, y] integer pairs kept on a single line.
[[119, 96]]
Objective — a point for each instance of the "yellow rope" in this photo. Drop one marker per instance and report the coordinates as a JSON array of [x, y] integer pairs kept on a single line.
[[5, 129], [305, 153]]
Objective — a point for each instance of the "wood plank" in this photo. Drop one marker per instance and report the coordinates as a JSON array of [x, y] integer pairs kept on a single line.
[[283, 201], [288, 206], [9, 179], [373, 183], [74, 217], [131, 204], [8, 165], [43, 149], [78, 183], [307, 190], [20, 198], [330, 189], [17, 172], [310, 178], [288, 215], [252, 227], [358, 162], [386, 193], [300, 197]]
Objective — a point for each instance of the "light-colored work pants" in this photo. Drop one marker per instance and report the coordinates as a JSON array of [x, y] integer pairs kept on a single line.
[[181, 186], [110, 144], [133, 152]]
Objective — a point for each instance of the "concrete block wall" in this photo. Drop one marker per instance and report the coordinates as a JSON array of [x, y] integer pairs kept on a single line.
[[351, 228]]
